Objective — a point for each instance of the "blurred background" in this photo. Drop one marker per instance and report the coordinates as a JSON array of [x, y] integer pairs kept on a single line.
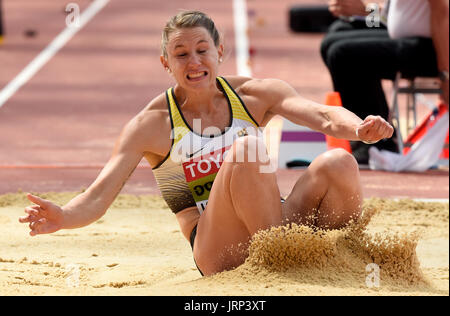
[[58, 129]]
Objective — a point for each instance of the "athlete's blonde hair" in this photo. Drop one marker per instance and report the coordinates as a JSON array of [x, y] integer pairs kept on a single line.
[[188, 19]]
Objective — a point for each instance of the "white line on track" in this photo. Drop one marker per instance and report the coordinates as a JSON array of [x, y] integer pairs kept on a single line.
[[32, 68], [240, 33]]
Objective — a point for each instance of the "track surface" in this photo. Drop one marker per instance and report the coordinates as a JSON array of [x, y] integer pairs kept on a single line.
[[59, 129]]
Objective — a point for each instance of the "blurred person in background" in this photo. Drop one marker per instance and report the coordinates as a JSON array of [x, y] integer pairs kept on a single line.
[[359, 57]]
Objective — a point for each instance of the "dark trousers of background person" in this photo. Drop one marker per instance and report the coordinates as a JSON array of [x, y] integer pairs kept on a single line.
[[358, 58]]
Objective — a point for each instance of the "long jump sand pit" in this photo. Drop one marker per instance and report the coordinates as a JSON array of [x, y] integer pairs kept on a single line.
[[138, 249]]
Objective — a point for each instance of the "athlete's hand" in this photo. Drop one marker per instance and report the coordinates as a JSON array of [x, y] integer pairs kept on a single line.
[[44, 217], [373, 129]]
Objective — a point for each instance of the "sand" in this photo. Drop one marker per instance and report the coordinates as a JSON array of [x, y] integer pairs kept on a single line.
[[138, 249]]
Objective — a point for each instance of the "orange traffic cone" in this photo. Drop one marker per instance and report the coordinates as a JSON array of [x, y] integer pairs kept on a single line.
[[334, 99]]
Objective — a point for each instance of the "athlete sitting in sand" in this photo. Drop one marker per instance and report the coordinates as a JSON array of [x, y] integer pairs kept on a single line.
[[187, 159]]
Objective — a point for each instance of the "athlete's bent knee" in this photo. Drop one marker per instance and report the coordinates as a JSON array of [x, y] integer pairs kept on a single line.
[[338, 162]]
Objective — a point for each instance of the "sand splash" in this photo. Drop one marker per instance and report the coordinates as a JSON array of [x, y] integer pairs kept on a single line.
[[137, 249], [338, 257]]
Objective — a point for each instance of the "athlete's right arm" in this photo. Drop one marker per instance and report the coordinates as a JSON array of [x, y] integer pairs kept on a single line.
[[45, 217]]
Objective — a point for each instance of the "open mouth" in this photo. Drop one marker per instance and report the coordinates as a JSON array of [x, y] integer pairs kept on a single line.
[[197, 76]]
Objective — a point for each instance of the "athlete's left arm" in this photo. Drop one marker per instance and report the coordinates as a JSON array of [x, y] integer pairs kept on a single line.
[[282, 99]]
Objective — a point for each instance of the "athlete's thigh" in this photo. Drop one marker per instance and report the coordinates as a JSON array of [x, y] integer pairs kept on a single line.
[[242, 202], [328, 193], [303, 201], [219, 230]]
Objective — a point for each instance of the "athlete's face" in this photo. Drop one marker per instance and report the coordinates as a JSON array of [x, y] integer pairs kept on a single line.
[[192, 58]]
